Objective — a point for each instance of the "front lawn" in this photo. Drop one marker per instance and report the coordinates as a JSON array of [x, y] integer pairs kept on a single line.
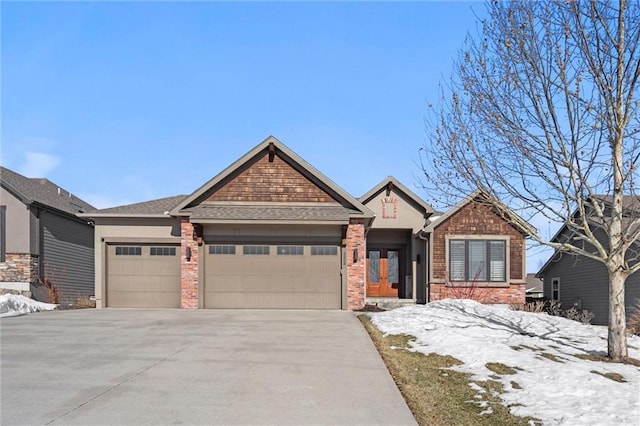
[[435, 394], [461, 362]]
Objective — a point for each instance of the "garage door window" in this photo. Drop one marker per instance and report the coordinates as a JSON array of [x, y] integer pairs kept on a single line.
[[324, 251], [290, 250], [261, 250], [128, 251], [222, 249], [163, 251]]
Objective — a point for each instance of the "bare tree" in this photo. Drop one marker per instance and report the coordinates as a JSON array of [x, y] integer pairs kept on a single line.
[[542, 114]]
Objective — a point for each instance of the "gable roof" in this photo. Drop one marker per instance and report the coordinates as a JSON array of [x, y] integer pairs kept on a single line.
[[516, 221], [43, 192], [152, 208], [189, 206], [390, 180], [630, 208]]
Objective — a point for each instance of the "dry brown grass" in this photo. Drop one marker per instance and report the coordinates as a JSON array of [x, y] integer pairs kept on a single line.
[[438, 396], [604, 358], [611, 376]]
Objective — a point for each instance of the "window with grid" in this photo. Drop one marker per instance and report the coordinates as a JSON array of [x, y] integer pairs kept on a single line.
[[222, 249], [324, 251], [477, 260], [162, 251], [290, 250], [128, 251], [260, 250]]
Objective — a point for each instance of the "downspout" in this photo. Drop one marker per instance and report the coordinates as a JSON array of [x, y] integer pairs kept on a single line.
[[427, 268]]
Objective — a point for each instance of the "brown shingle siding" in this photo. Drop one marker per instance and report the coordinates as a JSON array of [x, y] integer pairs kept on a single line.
[[476, 219], [271, 182]]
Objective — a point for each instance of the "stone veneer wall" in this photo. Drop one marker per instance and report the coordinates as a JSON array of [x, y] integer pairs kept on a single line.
[[188, 268], [355, 270], [19, 267]]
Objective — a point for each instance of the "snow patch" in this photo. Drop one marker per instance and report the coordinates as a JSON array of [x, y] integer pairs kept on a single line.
[[556, 386], [13, 305]]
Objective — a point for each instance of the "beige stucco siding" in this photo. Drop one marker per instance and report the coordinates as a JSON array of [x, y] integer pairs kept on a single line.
[[127, 230], [406, 215], [18, 217]]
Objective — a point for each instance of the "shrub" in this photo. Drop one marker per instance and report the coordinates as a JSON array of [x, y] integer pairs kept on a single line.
[[554, 308], [633, 321], [583, 316], [535, 307]]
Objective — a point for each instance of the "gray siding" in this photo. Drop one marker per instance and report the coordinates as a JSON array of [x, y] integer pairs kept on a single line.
[[67, 256], [585, 282]]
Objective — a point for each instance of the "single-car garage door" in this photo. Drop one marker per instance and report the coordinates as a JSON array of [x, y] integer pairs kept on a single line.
[[271, 276], [143, 276]]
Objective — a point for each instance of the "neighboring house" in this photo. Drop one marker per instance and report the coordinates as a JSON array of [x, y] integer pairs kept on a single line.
[[534, 289], [270, 231], [42, 238], [580, 282]]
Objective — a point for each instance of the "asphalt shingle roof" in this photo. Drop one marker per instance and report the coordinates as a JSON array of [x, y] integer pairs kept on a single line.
[[43, 191], [159, 206], [264, 212]]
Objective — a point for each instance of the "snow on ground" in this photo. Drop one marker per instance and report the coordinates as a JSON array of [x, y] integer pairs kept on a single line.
[[564, 391], [13, 305]]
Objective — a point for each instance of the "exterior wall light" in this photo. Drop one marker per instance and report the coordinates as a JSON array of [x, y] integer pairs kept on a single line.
[[355, 255], [188, 254]]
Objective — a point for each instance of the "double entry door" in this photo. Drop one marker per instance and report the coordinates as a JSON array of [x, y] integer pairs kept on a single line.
[[383, 272]]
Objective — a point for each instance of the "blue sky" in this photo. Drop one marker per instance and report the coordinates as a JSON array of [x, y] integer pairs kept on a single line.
[[131, 101]]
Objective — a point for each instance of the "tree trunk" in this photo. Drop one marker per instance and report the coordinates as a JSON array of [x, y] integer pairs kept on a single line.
[[617, 327]]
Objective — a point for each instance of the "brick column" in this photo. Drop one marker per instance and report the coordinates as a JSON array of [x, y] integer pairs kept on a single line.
[[188, 268], [355, 270]]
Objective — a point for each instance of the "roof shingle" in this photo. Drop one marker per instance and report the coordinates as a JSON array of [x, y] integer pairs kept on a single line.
[[153, 207], [265, 212], [42, 191]]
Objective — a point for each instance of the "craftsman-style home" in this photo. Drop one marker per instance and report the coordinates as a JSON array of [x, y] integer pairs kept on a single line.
[[271, 231]]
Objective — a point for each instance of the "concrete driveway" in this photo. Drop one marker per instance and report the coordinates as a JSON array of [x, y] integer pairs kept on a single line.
[[125, 367]]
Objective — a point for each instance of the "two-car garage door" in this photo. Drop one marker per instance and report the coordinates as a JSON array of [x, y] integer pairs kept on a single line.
[[272, 276]]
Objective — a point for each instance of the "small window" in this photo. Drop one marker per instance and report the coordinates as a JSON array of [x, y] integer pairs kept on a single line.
[[222, 249], [324, 251], [260, 250], [162, 251], [3, 230], [290, 250], [128, 251], [555, 289]]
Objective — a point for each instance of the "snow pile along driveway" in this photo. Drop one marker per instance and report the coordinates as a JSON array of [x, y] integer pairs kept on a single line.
[[13, 305], [555, 386]]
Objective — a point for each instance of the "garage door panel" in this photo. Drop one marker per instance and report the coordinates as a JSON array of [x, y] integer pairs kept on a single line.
[[273, 300], [287, 277], [135, 278]]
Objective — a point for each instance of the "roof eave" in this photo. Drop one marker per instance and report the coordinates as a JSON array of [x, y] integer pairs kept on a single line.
[[268, 222], [124, 215], [381, 186]]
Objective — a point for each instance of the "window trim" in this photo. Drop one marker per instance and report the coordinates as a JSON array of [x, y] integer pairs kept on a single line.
[[481, 237]]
